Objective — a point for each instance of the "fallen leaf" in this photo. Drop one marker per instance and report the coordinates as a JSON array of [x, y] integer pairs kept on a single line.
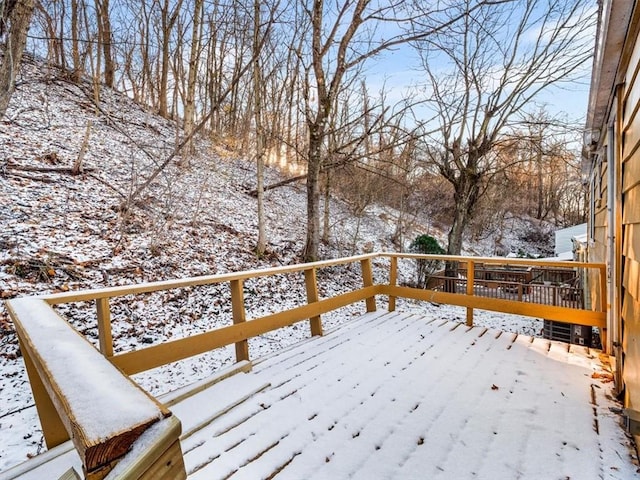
[[604, 377], [494, 387]]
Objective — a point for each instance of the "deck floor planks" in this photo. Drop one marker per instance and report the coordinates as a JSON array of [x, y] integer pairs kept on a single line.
[[285, 385], [431, 341], [394, 400], [390, 394], [339, 379], [329, 416], [407, 435], [440, 422], [539, 414]]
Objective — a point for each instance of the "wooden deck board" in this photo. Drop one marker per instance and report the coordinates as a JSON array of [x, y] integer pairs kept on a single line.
[[399, 396]]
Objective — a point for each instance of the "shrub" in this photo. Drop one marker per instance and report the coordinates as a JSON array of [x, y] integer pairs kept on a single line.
[[425, 267]]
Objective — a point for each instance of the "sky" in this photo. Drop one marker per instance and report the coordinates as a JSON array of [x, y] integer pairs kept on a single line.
[[400, 71]]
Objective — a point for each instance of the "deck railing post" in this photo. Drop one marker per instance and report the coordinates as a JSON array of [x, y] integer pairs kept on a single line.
[[470, 281], [53, 429], [393, 279], [311, 282], [367, 279], [239, 316], [607, 343], [603, 289], [104, 326]]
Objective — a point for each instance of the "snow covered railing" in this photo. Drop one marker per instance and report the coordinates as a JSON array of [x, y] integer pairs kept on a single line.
[[85, 394], [82, 396], [157, 355], [472, 299]]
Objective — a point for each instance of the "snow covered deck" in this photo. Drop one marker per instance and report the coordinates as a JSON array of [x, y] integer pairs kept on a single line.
[[395, 395]]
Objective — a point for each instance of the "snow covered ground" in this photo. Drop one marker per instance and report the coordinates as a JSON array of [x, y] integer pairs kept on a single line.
[[64, 232]]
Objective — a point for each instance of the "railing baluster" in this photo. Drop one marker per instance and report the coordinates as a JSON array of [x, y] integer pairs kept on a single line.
[[607, 343], [239, 316], [311, 283], [104, 326], [603, 289], [470, 279], [367, 279], [393, 279]]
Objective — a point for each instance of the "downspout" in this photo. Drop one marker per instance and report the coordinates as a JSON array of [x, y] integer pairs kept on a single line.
[[614, 207], [614, 332]]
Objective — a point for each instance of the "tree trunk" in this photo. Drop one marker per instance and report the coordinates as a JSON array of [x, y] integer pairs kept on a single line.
[[460, 220], [167, 19], [326, 224], [105, 26], [18, 19], [190, 103], [467, 190], [540, 192], [312, 245], [61, 39], [75, 49], [261, 244], [163, 109]]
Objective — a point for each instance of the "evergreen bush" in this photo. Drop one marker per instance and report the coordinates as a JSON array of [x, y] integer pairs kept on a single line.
[[426, 267]]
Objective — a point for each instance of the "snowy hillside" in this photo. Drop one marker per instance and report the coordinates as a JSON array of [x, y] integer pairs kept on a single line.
[[65, 231]]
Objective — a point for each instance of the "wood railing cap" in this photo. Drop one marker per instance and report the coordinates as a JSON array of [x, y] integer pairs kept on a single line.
[[88, 295], [103, 411]]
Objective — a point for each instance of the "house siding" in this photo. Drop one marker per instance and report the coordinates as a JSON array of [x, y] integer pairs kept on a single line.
[[630, 228], [597, 251]]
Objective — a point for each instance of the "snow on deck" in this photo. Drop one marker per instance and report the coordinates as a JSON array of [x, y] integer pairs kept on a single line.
[[400, 396], [396, 395]]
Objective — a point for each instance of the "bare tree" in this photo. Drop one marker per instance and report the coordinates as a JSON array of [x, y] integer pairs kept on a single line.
[[261, 243], [75, 40], [344, 35], [486, 69], [194, 55], [105, 38], [168, 17], [14, 21]]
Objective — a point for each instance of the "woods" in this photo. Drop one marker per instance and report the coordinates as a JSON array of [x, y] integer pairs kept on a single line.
[[290, 82]]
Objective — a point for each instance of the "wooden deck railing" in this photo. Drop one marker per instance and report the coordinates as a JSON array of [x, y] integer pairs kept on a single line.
[[68, 408]]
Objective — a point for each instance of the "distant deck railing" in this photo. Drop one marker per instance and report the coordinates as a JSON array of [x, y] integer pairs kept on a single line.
[[74, 384]]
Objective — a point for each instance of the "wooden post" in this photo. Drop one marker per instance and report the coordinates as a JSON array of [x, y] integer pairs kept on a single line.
[[104, 326], [100, 422], [367, 279], [603, 289], [604, 340], [311, 283], [520, 292], [239, 316], [470, 280], [393, 279], [53, 428], [161, 457]]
